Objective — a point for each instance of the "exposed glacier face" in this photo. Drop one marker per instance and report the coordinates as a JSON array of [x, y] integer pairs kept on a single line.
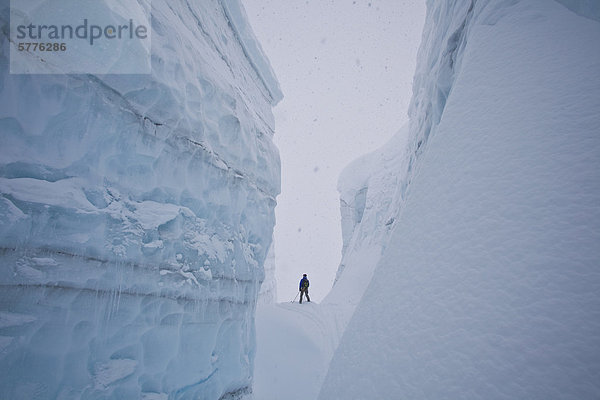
[[136, 212], [268, 288], [488, 282]]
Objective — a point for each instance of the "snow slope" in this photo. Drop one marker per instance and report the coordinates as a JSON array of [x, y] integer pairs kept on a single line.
[[295, 343], [136, 212], [488, 287]]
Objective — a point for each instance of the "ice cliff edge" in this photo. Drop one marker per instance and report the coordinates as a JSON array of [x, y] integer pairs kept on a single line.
[[136, 212]]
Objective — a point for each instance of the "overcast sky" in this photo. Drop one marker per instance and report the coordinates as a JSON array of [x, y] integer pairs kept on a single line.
[[345, 69]]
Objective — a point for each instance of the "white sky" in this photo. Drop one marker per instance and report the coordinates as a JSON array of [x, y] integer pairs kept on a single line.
[[345, 68]]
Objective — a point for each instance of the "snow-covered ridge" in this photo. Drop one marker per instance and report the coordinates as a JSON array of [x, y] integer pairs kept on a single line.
[[136, 212]]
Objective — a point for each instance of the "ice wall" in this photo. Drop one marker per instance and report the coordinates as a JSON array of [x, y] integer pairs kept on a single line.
[[369, 199], [268, 288], [488, 284], [136, 213]]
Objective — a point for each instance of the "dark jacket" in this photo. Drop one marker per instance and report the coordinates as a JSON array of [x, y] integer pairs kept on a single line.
[[304, 283]]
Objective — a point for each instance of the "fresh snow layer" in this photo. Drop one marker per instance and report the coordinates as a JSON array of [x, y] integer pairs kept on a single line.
[[295, 343], [136, 213], [488, 287]]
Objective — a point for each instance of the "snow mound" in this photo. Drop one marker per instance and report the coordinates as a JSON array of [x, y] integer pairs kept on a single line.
[[295, 343]]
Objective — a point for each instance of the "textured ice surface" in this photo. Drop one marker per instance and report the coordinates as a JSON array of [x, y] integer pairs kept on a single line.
[[136, 212], [488, 286], [268, 289]]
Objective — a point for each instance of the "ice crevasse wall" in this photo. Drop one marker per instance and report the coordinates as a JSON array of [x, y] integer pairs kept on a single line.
[[136, 212], [472, 237]]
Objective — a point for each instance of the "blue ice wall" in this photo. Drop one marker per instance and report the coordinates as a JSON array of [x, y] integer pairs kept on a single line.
[[136, 212]]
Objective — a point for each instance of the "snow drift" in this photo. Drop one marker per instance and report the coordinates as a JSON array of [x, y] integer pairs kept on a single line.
[[488, 282], [136, 212]]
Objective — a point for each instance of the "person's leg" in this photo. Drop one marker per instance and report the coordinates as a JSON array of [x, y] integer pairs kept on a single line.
[[307, 298], [301, 294]]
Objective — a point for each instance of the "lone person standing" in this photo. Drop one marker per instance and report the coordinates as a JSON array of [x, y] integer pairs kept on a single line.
[[304, 288]]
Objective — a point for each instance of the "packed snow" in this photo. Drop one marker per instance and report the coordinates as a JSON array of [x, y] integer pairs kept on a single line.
[[295, 343], [136, 213]]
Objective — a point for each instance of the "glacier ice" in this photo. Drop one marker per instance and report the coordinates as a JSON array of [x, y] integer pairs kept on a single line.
[[488, 281], [136, 212], [268, 288]]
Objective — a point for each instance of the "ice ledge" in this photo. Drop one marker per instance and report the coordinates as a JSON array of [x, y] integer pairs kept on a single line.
[[238, 20]]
